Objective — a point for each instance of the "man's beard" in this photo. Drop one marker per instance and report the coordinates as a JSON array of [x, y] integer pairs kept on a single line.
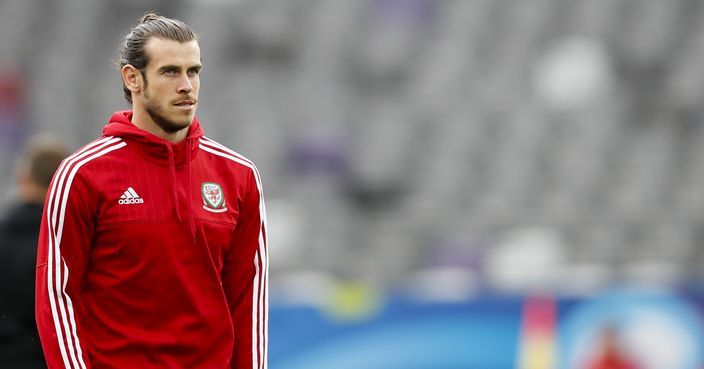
[[158, 116]]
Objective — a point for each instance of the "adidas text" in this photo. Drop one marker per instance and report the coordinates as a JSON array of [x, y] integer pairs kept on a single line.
[[130, 201]]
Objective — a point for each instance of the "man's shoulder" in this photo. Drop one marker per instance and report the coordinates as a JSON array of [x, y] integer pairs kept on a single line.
[[224, 153], [95, 149], [90, 159]]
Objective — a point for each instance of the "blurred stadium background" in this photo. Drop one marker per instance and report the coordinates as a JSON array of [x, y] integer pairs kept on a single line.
[[450, 183]]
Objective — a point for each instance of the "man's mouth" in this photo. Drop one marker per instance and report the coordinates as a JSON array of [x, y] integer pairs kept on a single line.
[[185, 104]]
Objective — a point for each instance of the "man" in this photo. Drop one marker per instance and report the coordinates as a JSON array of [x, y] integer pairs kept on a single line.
[[152, 252], [19, 231]]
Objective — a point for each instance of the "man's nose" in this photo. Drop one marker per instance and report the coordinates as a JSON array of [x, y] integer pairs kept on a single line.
[[185, 85]]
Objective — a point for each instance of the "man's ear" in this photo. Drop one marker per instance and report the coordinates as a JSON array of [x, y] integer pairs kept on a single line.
[[132, 78]]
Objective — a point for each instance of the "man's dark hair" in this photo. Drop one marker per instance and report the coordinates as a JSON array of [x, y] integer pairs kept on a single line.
[[150, 25]]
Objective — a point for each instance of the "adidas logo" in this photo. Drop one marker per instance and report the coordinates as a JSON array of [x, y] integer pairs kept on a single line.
[[130, 197]]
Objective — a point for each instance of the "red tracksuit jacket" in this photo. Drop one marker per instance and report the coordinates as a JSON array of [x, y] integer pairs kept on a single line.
[[153, 255]]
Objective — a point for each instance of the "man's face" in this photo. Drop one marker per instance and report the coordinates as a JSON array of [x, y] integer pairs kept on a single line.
[[171, 83]]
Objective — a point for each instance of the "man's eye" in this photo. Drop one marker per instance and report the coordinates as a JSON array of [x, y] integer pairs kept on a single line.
[[170, 71]]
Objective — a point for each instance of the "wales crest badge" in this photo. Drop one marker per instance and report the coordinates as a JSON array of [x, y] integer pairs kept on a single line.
[[213, 198]]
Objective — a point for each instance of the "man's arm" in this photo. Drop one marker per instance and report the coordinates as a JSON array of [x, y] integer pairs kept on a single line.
[[245, 278], [64, 239]]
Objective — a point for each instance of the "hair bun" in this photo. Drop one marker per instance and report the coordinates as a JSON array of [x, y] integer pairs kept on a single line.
[[149, 17]]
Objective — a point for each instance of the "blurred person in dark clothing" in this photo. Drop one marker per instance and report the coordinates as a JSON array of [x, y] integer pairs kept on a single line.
[[19, 231]]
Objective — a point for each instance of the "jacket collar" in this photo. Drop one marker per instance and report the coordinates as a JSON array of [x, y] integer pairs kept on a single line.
[[150, 146]]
